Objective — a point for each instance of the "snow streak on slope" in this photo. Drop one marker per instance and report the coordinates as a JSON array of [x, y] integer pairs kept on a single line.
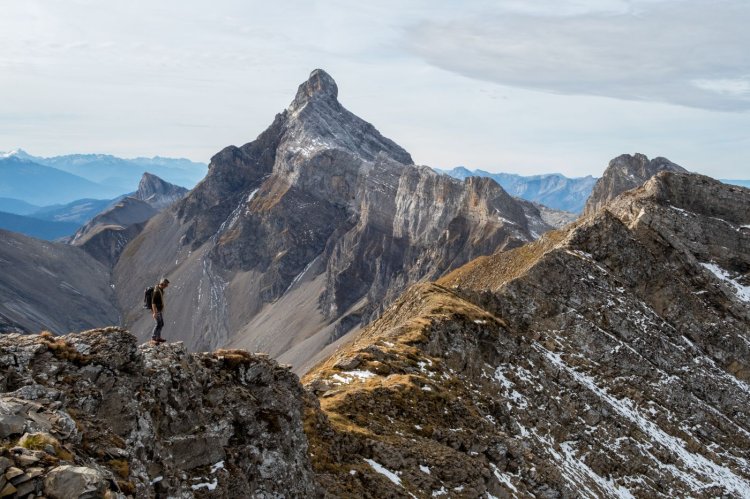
[[713, 473]]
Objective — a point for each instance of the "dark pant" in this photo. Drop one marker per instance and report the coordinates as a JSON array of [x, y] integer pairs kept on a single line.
[[157, 328]]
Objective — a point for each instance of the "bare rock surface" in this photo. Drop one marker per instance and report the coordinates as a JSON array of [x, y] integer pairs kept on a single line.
[[321, 211], [607, 359], [95, 415], [626, 172]]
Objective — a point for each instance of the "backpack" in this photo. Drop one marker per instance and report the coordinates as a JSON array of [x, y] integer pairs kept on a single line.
[[148, 297]]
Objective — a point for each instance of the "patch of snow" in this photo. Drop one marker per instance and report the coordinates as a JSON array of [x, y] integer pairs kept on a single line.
[[384, 471], [441, 492], [503, 478], [684, 212], [157, 480], [207, 485], [478, 321], [301, 274], [216, 467], [252, 195], [742, 291], [512, 394], [352, 472], [426, 388], [425, 469], [696, 464]]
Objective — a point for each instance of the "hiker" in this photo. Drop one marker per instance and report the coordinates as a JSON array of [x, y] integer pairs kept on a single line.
[[157, 307]]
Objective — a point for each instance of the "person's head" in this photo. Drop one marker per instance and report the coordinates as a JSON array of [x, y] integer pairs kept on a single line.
[[164, 283]]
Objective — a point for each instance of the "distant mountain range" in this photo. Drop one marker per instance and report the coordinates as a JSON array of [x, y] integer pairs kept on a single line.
[[553, 190], [62, 179], [35, 227]]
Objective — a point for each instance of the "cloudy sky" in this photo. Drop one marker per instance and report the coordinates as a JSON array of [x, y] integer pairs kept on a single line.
[[502, 85]]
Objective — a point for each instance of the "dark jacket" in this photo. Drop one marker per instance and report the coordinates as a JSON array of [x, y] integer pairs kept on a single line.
[[158, 299]]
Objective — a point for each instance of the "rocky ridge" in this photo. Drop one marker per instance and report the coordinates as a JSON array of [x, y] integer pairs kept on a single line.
[[623, 173], [608, 359], [296, 238], [94, 415]]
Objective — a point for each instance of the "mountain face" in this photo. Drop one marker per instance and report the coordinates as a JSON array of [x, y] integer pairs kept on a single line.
[[626, 172], [92, 414], [553, 190], [609, 359], [106, 235], [295, 238], [51, 286]]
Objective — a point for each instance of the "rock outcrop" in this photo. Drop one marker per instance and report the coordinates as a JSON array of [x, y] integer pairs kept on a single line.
[[296, 238], [608, 359], [51, 286], [626, 172], [94, 415]]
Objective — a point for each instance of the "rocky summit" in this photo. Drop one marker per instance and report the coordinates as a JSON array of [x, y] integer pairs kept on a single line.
[[94, 415], [626, 172], [608, 359], [303, 234]]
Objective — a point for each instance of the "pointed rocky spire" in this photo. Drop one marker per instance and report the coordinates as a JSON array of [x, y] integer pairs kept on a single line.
[[319, 85]]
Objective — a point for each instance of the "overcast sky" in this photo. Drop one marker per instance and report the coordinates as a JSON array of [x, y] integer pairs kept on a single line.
[[502, 85]]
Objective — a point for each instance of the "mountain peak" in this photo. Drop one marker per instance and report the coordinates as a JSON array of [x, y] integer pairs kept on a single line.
[[320, 85], [626, 172], [158, 192]]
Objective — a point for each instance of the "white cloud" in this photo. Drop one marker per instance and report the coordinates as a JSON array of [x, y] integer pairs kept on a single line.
[[691, 52]]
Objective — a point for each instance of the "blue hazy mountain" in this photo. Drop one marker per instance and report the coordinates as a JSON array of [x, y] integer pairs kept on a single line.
[[125, 173], [34, 227], [42, 185], [62, 179], [16, 206], [743, 183], [553, 190], [78, 212]]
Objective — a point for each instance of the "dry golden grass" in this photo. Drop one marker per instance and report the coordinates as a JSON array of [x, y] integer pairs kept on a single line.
[[62, 349], [491, 272], [234, 358]]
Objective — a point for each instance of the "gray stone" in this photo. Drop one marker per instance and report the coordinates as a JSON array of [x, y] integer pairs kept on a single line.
[[66, 481]]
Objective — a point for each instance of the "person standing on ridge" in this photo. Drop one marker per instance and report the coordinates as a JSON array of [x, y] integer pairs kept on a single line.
[[157, 307]]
